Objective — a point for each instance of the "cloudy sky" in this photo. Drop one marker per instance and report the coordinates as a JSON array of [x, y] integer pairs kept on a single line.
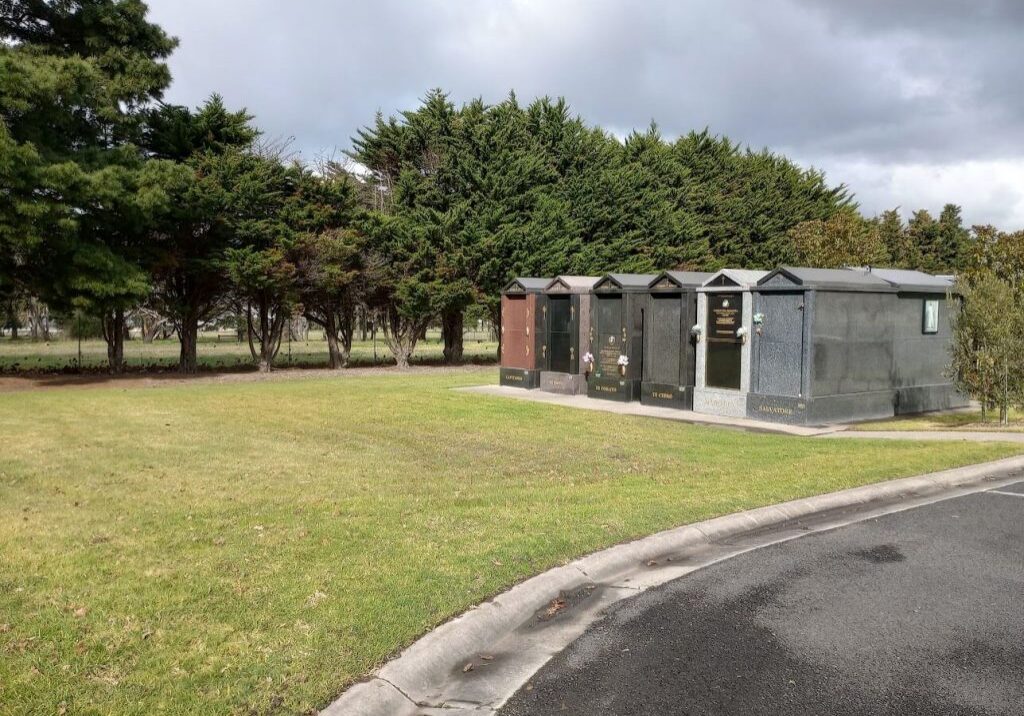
[[911, 103]]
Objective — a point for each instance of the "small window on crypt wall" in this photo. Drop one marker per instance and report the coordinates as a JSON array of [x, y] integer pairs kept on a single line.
[[930, 320]]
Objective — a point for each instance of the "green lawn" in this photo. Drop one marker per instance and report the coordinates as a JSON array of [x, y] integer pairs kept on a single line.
[[253, 548], [962, 420], [217, 352]]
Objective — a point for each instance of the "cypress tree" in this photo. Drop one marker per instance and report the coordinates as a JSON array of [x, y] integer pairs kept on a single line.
[[74, 79]]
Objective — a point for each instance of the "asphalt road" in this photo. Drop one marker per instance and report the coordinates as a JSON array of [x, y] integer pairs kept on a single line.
[[918, 612]]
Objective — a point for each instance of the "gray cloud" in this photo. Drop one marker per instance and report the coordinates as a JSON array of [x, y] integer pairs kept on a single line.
[[888, 89]]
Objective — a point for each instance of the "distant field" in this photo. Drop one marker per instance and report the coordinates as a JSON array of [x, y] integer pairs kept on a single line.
[[254, 547], [217, 352]]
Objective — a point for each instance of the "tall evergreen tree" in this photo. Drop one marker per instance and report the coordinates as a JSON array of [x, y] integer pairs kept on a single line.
[[74, 79], [504, 190], [331, 285], [637, 204], [200, 152], [744, 202], [893, 233], [953, 238], [271, 207], [923, 234], [415, 164]]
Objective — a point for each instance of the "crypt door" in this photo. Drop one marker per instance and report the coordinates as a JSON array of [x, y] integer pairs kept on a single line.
[[724, 347]]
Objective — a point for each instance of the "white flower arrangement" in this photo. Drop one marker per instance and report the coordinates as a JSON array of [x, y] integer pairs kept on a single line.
[[588, 358], [623, 361], [741, 332]]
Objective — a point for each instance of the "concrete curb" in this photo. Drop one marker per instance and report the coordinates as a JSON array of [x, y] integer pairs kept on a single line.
[[583, 402], [475, 662], [968, 436]]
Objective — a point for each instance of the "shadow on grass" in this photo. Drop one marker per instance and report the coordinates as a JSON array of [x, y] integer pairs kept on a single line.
[[94, 375]]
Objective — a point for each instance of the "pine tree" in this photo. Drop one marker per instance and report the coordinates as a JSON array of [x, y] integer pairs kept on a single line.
[[902, 251], [192, 157], [923, 235], [952, 247], [74, 79], [505, 190], [271, 206], [331, 285], [744, 202]]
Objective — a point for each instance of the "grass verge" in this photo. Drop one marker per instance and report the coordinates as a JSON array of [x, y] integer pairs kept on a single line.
[[254, 548], [969, 420]]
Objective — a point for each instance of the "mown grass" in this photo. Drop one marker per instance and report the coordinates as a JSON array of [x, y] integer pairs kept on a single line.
[[217, 352], [254, 548], [961, 420]]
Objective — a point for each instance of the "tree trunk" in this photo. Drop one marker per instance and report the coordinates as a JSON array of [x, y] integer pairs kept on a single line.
[[401, 357], [152, 326], [36, 326], [451, 330], [44, 321], [401, 335], [335, 360], [269, 335], [113, 333], [188, 334], [373, 337], [346, 331]]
